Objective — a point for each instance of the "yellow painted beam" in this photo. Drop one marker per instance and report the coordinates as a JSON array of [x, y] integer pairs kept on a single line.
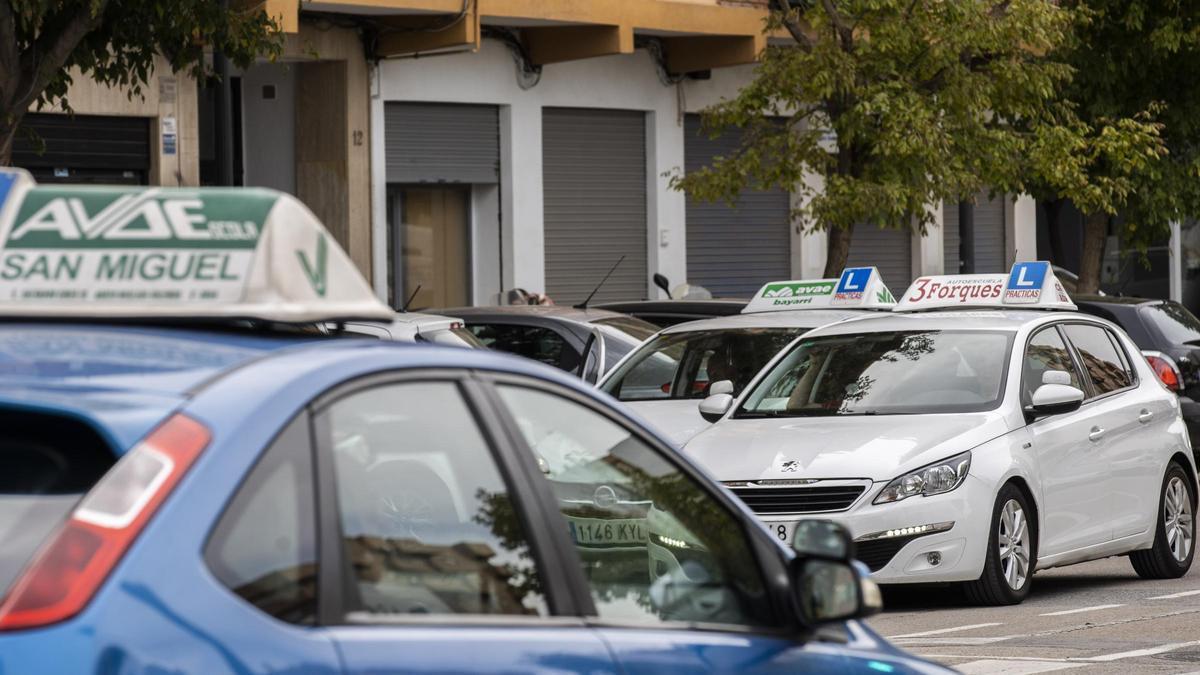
[[554, 44], [705, 52], [421, 34]]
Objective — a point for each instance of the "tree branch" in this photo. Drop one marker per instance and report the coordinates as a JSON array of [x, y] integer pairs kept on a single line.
[[53, 47], [10, 55], [792, 27], [844, 31]]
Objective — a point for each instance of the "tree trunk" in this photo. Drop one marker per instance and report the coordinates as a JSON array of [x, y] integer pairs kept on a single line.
[[7, 134], [837, 251], [1095, 231]]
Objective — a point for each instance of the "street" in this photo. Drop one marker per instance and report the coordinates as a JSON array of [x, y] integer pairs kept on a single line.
[[1097, 617]]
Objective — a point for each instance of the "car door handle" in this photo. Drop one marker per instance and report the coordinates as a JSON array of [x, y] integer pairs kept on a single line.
[[1145, 416], [1096, 434]]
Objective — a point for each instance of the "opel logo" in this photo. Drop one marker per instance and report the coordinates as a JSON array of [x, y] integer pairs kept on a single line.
[[605, 497]]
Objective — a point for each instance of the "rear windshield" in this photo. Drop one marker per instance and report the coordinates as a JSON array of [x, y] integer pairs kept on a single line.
[[683, 365], [49, 462], [1176, 324], [630, 325]]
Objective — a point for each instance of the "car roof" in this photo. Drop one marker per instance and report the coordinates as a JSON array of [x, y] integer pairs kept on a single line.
[[808, 318], [713, 306], [981, 319], [565, 312], [1113, 300]]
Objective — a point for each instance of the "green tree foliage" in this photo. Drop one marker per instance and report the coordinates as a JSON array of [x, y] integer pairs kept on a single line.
[[898, 104], [1131, 56], [44, 43]]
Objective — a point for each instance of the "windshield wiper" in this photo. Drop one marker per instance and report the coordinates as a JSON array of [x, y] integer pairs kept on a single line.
[[805, 412]]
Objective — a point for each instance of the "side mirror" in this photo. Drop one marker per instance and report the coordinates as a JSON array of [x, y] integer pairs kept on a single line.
[[829, 586], [721, 387], [661, 282], [822, 539], [715, 406], [1056, 395]]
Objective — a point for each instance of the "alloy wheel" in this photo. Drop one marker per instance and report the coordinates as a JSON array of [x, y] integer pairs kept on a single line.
[[1177, 519], [1013, 541]]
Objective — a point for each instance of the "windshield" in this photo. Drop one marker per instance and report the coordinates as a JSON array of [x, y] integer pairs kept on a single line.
[[683, 365], [1177, 325], [892, 373]]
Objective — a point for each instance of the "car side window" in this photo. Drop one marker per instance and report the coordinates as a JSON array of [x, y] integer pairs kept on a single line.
[[264, 546], [532, 342], [1046, 351], [655, 546], [1099, 356], [427, 521]]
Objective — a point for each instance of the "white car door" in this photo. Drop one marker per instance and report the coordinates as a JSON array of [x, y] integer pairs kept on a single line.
[[1134, 424], [1072, 470]]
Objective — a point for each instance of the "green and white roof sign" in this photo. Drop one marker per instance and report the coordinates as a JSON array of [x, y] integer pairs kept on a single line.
[[856, 288], [171, 252]]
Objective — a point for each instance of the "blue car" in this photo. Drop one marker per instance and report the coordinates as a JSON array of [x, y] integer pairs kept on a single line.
[[204, 485]]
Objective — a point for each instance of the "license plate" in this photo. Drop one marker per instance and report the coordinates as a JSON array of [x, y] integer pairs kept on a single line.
[[782, 531], [605, 532]]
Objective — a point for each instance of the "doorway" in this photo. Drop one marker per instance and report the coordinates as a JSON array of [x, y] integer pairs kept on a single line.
[[430, 230]]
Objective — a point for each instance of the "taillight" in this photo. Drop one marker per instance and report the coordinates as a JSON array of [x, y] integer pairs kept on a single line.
[[1166, 370], [70, 567]]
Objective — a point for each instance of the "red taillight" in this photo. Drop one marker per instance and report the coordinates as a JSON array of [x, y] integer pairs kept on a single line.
[[1166, 370], [73, 563]]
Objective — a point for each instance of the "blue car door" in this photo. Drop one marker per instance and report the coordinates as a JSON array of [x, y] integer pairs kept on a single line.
[[432, 562]]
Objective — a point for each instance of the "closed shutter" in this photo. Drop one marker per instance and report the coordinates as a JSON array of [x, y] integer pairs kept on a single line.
[[888, 249], [84, 148], [441, 142], [733, 251], [594, 197], [991, 246]]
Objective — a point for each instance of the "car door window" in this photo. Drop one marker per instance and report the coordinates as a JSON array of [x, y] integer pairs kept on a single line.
[[427, 521], [532, 342], [1046, 351], [655, 546], [264, 546], [1099, 356]]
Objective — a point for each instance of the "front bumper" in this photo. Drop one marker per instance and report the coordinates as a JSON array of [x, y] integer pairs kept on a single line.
[[905, 558]]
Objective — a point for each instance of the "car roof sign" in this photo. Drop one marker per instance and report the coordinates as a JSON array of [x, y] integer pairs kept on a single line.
[[856, 288], [1030, 285], [71, 251]]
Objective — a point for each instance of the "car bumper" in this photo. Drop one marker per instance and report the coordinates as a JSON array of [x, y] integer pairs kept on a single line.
[[911, 556]]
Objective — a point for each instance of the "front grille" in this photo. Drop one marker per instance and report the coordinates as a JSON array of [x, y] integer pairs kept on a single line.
[[799, 499], [877, 553]]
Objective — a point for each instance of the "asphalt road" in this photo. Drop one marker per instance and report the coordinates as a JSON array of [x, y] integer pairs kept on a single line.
[[1097, 617]]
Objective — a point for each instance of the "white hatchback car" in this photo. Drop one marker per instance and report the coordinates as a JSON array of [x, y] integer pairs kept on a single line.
[[970, 446], [665, 377]]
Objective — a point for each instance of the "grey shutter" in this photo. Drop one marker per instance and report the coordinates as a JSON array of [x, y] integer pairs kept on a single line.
[[594, 203], [733, 251], [888, 249], [991, 250], [441, 142], [92, 148]]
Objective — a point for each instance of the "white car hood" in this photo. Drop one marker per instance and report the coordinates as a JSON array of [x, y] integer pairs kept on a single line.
[[678, 420], [876, 447]]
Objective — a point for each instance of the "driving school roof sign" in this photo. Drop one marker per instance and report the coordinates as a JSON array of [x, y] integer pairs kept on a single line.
[[1029, 284], [185, 253], [857, 287]]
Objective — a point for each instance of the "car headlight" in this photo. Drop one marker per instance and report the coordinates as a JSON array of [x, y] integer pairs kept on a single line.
[[934, 479]]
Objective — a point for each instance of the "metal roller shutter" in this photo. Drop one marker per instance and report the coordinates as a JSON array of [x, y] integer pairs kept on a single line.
[[888, 249], [594, 203], [733, 251], [441, 142], [991, 245], [90, 148]]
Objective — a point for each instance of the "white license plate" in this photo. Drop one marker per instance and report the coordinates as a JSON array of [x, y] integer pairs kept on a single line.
[[782, 531], [606, 532]]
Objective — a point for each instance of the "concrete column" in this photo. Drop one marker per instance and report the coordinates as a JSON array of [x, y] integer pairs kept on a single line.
[[379, 205], [930, 257], [809, 246], [1021, 229], [523, 219], [666, 217], [1175, 267]]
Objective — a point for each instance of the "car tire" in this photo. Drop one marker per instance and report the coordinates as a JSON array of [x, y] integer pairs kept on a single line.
[[1010, 561], [1175, 531]]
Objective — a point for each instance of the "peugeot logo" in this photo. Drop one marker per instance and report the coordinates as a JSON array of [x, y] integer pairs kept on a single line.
[[605, 497], [791, 466]]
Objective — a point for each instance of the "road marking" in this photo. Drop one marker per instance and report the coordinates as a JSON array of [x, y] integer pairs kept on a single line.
[[951, 641], [942, 631], [1093, 608], [1005, 667], [1137, 653], [1172, 596]]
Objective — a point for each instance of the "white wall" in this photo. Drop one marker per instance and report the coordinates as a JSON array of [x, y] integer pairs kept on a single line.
[[269, 127], [625, 82]]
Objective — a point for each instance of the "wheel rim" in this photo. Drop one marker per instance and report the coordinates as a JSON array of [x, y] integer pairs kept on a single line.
[[1013, 542], [1177, 519]]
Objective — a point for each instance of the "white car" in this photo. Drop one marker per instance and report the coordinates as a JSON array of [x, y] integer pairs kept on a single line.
[[665, 377], [416, 327], [974, 444]]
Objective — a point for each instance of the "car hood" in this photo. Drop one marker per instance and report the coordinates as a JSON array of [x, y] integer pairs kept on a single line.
[[876, 447], [677, 420]]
